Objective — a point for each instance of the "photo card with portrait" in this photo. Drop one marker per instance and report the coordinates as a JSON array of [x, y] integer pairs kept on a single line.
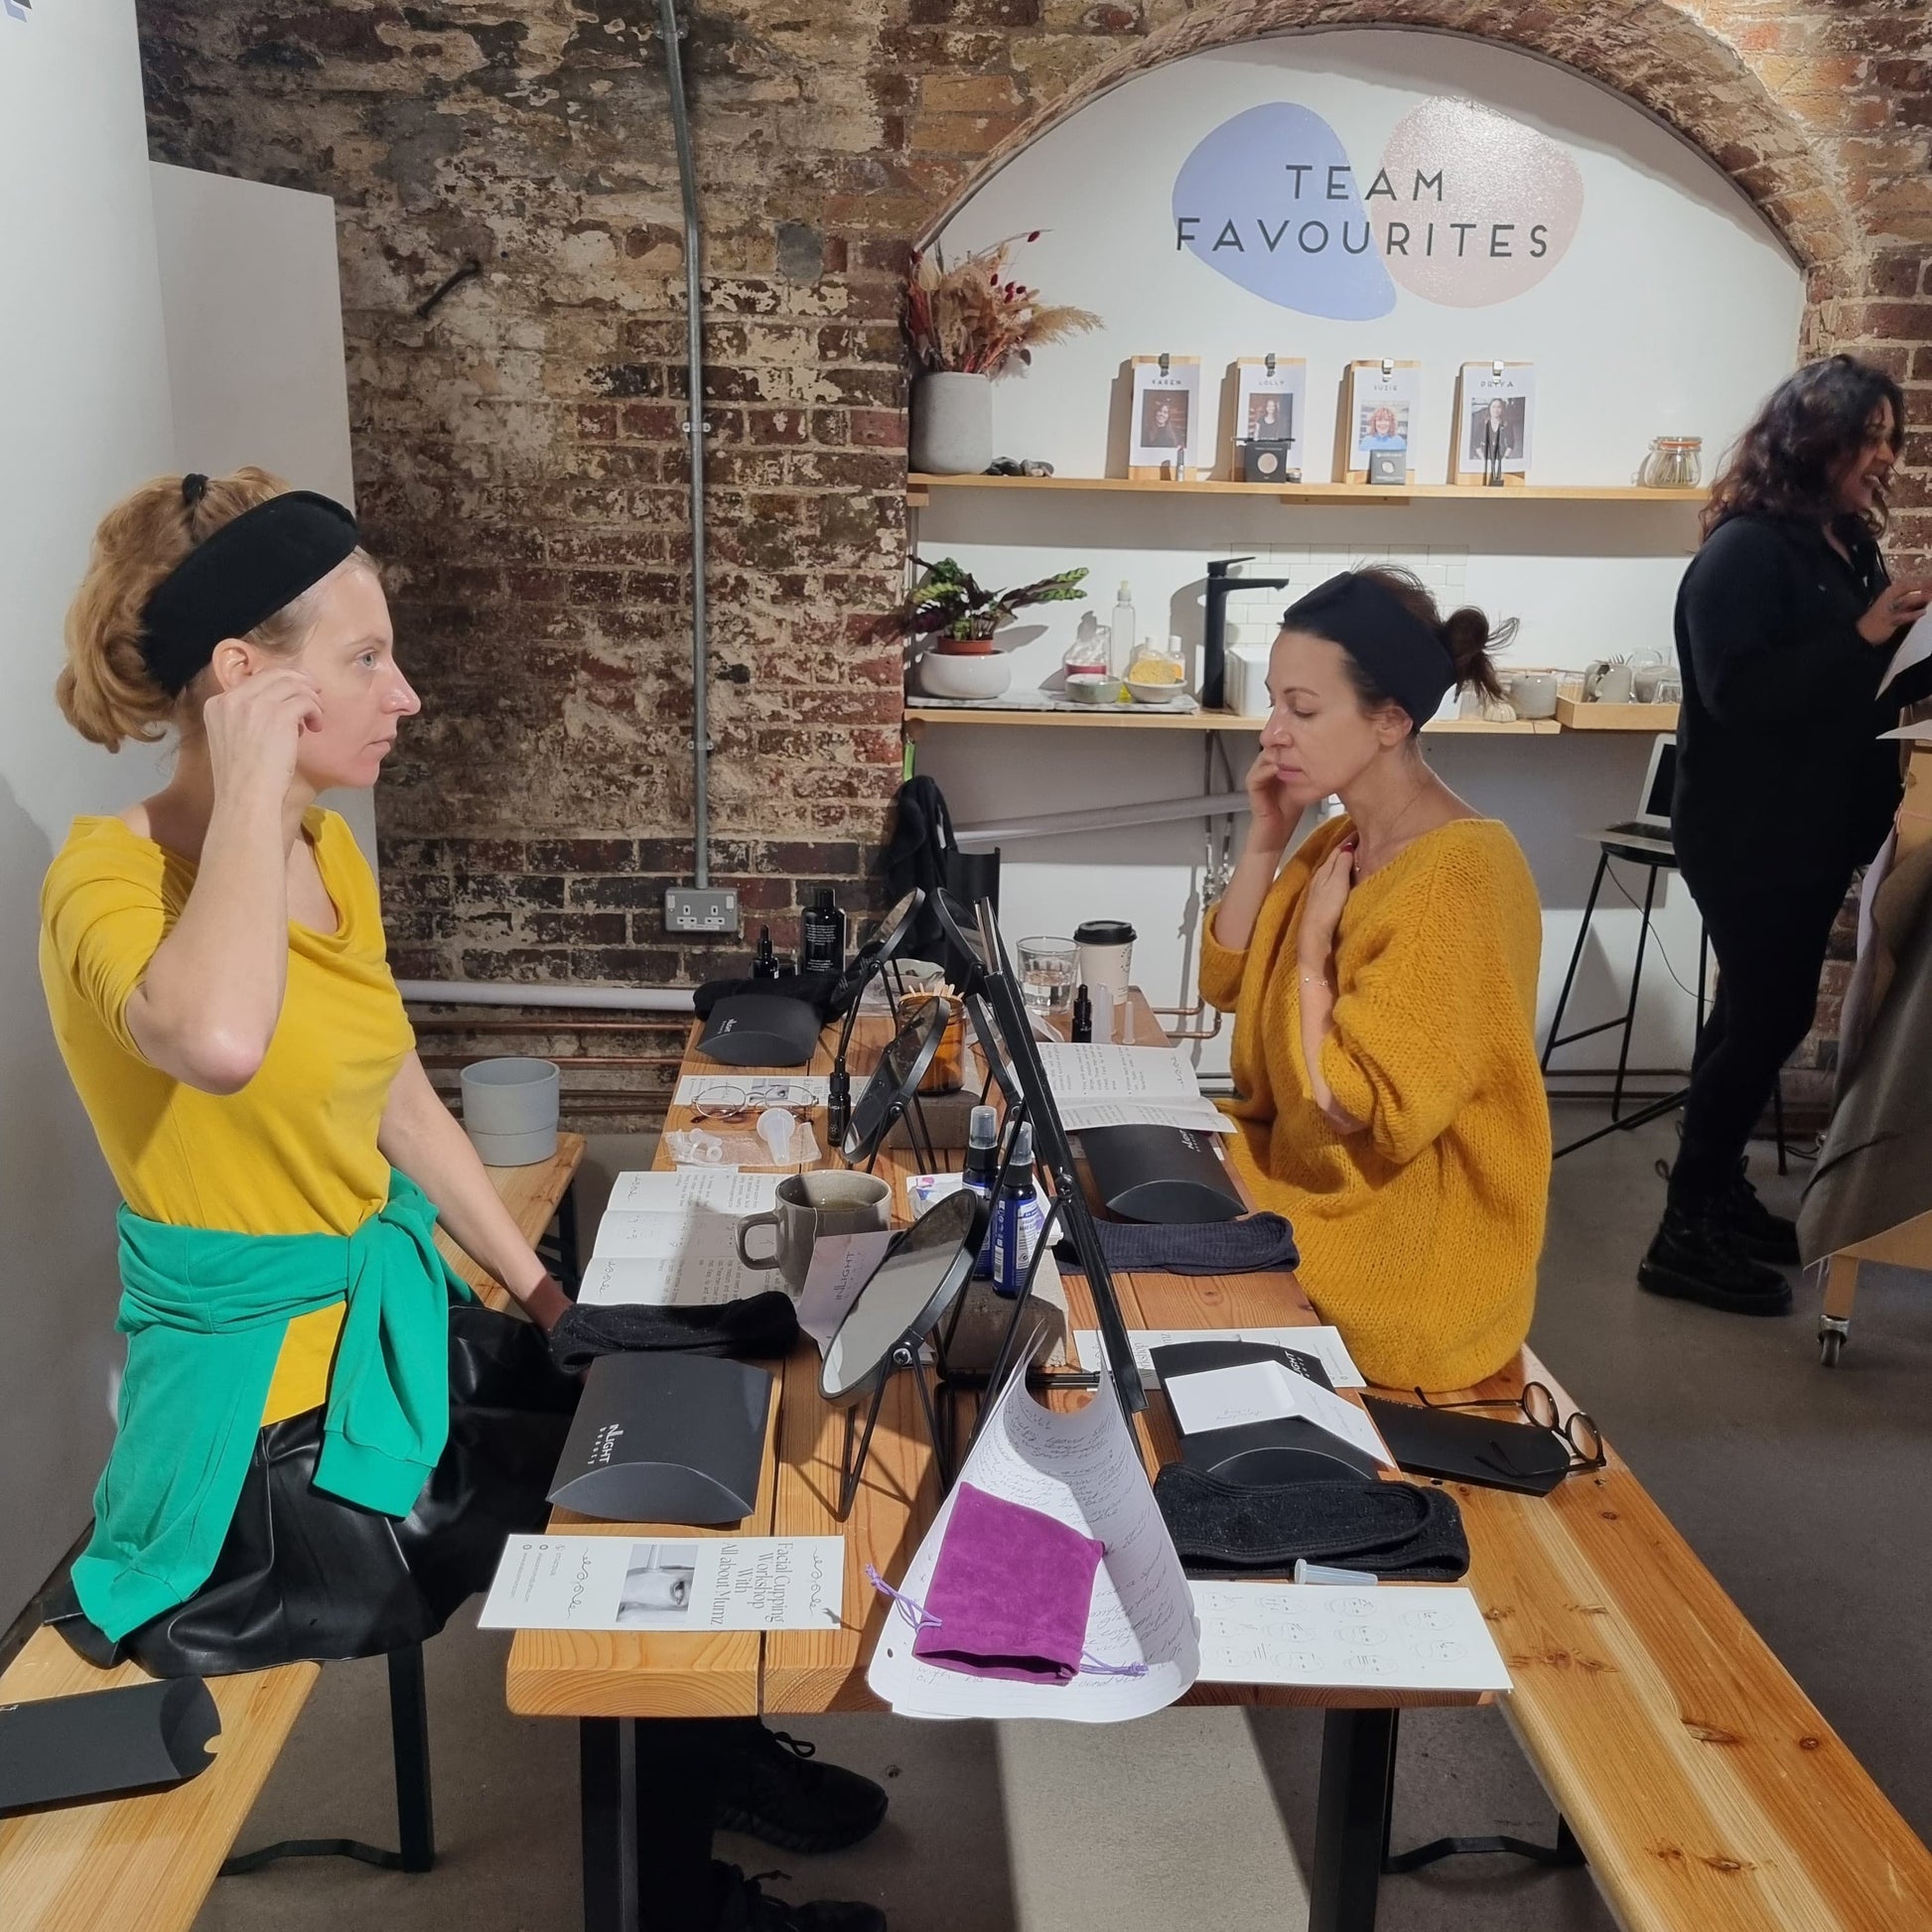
[[1495, 419], [1166, 435], [1271, 410], [1380, 420]]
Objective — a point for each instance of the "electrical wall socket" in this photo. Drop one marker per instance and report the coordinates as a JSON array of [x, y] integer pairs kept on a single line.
[[690, 908]]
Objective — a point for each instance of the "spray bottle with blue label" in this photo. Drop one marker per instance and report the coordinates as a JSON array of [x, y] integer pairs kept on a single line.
[[1016, 1219]]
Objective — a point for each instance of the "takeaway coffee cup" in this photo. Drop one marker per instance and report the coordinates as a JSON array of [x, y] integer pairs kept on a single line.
[[811, 1205], [1106, 954]]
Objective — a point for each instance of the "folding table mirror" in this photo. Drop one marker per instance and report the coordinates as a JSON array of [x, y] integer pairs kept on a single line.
[[868, 963], [894, 1088], [903, 1303], [963, 935]]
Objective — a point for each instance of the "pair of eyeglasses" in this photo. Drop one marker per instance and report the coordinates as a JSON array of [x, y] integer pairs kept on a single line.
[[1539, 1406], [728, 1101]]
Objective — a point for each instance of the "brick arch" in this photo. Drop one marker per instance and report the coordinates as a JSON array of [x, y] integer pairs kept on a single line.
[[1655, 53]]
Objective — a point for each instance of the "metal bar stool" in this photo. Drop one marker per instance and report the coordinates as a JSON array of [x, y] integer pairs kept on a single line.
[[1654, 861]]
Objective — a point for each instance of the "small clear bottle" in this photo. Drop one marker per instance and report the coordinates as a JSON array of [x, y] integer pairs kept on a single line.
[[1122, 633]]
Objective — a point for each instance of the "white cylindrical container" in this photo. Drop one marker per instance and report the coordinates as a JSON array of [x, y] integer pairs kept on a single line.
[[509, 1110], [1106, 956], [952, 424]]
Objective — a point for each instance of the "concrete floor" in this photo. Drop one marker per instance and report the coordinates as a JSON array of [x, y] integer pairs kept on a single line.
[[1800, 1488]]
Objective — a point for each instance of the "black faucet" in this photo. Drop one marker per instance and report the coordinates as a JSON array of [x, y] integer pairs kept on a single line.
[[1214, 631]]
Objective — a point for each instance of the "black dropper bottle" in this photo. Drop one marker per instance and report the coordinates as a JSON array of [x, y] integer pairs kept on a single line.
[[764, 962]]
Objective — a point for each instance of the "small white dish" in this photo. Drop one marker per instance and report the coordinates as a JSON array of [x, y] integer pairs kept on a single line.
[[1157, 695], [1089, 687]]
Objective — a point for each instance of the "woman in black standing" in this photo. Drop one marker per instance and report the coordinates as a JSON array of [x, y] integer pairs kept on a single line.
[[1786, 620]]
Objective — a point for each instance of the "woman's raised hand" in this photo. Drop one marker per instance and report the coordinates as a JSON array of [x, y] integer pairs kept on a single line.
[[1323, 903], [1271, 818], [255, 730], [1895, 605]]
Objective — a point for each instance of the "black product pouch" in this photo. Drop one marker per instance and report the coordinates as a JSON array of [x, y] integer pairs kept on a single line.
[[1467, 1448], [1397, 1530], [758, 1326], [827, 994]]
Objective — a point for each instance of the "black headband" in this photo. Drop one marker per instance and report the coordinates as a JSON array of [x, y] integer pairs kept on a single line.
[[250, 568], [1404, 658]]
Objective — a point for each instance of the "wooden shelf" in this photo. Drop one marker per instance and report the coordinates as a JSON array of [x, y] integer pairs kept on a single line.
[[920, 488], [921, 716], [1576, 716]]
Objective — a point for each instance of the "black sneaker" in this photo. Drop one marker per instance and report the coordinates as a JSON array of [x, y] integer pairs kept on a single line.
[[1695, 1258], [1762, 1235], [743, 1906], [771, 1786]]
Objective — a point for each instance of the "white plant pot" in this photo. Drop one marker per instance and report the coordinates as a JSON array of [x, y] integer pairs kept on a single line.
[[952, 425], [943, 675]]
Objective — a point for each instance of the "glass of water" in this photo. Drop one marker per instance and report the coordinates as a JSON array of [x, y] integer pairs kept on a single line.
[[1046, 974]]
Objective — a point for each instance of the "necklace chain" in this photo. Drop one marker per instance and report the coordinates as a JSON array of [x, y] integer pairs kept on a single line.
[[1362, 870]]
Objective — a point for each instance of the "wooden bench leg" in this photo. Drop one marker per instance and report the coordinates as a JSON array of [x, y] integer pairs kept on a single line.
[[415, 1817], [1351, 1819], [1835, 1321]]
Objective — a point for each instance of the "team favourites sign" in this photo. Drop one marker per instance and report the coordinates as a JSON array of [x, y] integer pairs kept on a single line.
[[1464, 206]]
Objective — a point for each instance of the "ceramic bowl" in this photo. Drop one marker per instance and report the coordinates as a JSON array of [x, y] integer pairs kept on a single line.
[[945, 676], [1089, 687], [1154, 694]]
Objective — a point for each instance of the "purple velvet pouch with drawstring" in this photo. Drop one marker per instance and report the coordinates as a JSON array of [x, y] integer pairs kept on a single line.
[[1010, 1593]]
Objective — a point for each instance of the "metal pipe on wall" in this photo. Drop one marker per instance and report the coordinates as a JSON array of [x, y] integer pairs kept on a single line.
[[695, 430], [497, 993]]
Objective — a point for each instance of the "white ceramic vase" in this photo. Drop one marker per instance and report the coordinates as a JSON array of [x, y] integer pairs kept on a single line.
[[952, 424]]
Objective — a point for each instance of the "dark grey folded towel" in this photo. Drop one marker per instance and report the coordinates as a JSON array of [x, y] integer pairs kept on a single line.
[[1398, 1530], [1242, 1247], [758, 1325]]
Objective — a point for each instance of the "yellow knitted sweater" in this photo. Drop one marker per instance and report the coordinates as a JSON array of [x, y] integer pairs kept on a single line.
[[1418, 1233]]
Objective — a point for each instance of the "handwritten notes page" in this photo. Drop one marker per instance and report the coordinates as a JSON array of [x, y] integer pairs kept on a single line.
[[1081, 1468], [695, 1585], [669, 1240], [1118, 1086], [1324, 1344], [1396, 1636]]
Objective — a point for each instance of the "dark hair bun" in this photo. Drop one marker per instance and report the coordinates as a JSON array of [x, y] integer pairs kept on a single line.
[[1469, 640]]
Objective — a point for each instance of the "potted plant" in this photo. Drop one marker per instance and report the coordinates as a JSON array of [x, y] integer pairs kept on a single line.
[[957, 617], [968, 325]]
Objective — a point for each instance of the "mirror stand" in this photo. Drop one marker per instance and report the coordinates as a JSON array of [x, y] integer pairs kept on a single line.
[[858, 1441]]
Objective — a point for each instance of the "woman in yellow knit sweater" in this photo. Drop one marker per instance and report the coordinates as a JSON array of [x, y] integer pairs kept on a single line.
[[1383, 984]]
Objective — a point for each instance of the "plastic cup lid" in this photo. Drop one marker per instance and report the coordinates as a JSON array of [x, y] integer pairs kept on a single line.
[[1104, 932]]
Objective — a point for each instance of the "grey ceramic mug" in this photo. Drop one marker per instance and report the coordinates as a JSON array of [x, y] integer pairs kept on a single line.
[[810, 1205]]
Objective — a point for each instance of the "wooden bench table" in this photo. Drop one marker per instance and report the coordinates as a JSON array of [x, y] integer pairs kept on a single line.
[[145, 1865], [1704, 1789]]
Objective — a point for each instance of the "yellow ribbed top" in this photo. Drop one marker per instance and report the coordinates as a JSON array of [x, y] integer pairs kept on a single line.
[[1419, 1234]]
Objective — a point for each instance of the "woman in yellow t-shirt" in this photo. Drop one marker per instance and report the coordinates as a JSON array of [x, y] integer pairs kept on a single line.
[[1383, 983], [321, 1441]]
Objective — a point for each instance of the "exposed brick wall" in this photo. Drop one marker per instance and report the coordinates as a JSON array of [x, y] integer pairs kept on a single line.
[[518, 453]]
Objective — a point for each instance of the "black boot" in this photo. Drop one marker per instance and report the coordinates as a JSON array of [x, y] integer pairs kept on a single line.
[[1762, 1235], [774, 1786], [1693, 1257], [743, 1906]]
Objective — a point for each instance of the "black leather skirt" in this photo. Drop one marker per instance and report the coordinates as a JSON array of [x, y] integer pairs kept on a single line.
[[304, 1575]]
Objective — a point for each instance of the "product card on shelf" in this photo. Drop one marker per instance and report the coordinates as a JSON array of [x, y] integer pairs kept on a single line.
[[1324, 1344], [1230, 1398], [1161, 1074], [1396, 1636], [695, 1585], [842, 1264], [1082, 1468]]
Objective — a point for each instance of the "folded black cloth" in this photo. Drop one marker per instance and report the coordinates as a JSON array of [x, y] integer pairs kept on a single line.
[[1398, 1530], [757, 1324], [827, 994], [1242, 1247]]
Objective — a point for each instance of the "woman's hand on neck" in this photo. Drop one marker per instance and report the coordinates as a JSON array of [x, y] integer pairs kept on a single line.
[[180, 814]]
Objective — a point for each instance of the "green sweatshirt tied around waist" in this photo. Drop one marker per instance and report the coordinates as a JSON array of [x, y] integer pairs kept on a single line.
[[205, 1312]]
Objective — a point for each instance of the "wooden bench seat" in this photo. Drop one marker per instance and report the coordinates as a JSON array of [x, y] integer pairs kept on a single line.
[[146, 1863]]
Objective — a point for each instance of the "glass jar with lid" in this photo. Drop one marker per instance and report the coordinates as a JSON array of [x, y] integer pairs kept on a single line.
[[1674, 462]]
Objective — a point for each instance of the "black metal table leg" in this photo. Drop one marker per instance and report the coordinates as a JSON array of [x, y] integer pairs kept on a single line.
[[648, 1788], [607, 1783], [1351, 1819], [409, 1729]]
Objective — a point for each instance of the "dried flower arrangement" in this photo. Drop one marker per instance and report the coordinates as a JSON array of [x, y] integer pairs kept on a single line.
[[973, 319], [950, 601]]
